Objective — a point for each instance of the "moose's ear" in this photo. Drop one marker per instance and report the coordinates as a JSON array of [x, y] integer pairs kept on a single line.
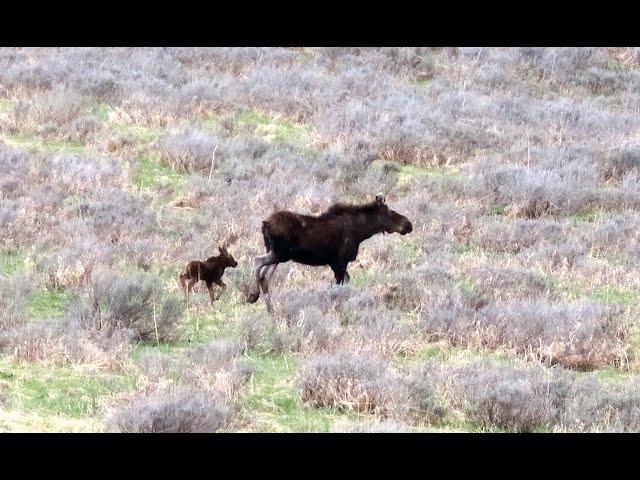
[[221, 249], [380, 199]]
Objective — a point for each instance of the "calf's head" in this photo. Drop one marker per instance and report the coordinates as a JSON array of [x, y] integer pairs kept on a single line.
[[227, 257], [390, 220]]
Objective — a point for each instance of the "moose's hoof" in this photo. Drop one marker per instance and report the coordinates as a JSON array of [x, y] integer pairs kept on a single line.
[[252, 297]]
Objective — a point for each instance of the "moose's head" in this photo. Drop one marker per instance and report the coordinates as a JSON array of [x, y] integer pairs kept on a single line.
[[390, 220]]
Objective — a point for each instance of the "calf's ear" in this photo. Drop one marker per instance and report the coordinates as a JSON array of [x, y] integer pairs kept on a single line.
[[380, 199]]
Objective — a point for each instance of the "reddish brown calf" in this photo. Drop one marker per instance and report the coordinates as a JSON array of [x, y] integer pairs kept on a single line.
[[210, 271]]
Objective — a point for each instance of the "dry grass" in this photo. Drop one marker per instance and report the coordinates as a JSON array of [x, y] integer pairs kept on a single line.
[[117, 166]]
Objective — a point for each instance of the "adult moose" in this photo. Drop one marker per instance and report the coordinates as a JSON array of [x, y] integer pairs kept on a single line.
[[331, 238]]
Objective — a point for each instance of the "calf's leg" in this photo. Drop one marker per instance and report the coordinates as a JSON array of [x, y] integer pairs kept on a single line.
[[211, 292], [182, 280], [223, 287]]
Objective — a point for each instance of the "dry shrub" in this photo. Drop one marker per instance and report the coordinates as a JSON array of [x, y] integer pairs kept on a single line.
[[424, 400], [381, 330], [133, 302], [406, 289], [55, 108], [385, 426], [620, 163], [592, 405], [14, 292], [62, 344], [582, 335], [315, 332], [348, 382], [501, 395], [180, 411], [216, 366], [505, 283]]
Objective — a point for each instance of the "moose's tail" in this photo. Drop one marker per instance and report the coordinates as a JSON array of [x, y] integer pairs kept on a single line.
[[265, 236]]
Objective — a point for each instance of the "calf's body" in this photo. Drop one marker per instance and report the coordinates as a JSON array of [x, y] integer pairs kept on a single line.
[[210, 271]]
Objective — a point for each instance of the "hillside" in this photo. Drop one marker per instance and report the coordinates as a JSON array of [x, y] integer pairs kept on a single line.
[[513, 305]]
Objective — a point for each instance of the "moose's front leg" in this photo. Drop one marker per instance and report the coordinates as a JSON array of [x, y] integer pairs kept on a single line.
[[340, 271], [212, 295], [348, 253]]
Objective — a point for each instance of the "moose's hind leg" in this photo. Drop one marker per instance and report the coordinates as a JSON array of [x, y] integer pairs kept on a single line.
[[264, 285], [264, 262]]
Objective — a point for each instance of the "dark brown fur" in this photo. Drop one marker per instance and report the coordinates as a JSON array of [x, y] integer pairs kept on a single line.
[[332, 238], [210, 271]]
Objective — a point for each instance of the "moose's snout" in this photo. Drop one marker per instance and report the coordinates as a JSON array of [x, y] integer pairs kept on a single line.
[[406, 228]]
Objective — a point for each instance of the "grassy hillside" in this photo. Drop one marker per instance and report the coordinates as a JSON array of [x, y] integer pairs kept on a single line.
[[512, 306]]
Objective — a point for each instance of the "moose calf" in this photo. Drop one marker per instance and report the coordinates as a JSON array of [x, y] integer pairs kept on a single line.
[[211, 271]]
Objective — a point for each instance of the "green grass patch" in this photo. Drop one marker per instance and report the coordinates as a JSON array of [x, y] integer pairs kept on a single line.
[[101, 111], [615, 294], [37, 144], [142, 133], [420, 81], [276, 129], [145, 134], [590, 214], [607, 257], [151, 174], [206, 322], [409, 251], [210, 122], [47, 302], [140, 350], [66, 391], [17, 421], [361, 277], [466, 286], [497, 209], [618, 65], [424, 354], [408, 173], [11, 261], [5, 107], [611, 374], [607, 293], [462, 249]]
